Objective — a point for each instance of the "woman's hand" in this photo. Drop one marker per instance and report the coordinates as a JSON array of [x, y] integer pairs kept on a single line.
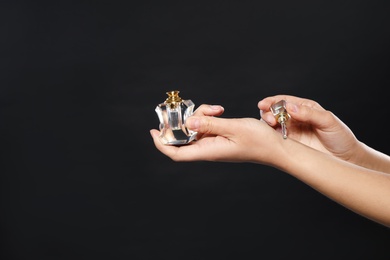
[[222, 139], [314, 126]]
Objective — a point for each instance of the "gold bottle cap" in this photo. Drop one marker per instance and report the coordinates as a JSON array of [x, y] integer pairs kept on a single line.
[[173, 98]]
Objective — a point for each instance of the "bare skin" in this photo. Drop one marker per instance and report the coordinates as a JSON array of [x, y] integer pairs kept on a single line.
[[320, 150]]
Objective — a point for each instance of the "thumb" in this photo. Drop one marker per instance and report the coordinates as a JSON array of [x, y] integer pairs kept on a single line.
[[208, 125]]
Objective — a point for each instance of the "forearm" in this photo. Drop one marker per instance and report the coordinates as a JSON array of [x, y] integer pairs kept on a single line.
[[371, 158], [364, 191]]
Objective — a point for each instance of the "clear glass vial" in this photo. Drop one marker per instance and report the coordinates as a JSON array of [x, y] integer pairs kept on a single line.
[[280, 113], [173, 113]]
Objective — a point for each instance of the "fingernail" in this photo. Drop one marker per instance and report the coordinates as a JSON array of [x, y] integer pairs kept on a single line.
[[193, 123], [267, 118], [216, 107]]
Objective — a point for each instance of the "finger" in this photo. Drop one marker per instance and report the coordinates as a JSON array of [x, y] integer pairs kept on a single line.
[[155, 135], [317, 117], [183, 153], [268, 117], [267, 102], [210, 125], [209, 110], [168, 150]]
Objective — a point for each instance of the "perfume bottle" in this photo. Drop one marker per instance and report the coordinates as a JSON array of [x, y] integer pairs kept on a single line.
[[173, 113], [280, 113]]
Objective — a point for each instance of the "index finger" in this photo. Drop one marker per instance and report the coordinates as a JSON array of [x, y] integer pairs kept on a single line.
[[267, 102]]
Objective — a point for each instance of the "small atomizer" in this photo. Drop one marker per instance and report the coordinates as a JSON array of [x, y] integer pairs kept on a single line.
[[280, 113], [173, 113]]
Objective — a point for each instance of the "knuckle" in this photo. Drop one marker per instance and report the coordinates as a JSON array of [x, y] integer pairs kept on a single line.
[[328, 115], [207, 125]]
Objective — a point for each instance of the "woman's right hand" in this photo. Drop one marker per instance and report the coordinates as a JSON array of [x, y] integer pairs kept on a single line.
[[314, 126]]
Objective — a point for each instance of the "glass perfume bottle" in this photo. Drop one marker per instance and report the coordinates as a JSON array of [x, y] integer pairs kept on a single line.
[[173, 113], [280, 113]]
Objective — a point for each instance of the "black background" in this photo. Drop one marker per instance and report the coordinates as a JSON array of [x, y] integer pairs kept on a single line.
[[80, 176]]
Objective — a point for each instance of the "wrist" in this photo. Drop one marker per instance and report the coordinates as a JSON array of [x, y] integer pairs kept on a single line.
[[281, 151]]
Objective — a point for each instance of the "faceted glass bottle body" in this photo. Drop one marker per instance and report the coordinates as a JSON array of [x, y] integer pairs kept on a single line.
[[172, 115]]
